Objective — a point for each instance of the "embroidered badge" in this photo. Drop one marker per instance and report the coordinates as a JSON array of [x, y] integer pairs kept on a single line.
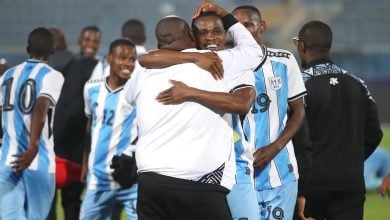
[[275, 82], [333, 81], [126, 109]]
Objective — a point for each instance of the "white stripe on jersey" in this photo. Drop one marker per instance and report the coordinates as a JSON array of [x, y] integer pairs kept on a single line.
[[111, 132], [27, 120], [13, 146], [30, 78], [94, 137], [274, 175], [277, 81], [115, 136]]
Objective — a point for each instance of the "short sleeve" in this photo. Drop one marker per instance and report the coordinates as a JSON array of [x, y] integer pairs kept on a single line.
[[131, 86], [296, 86], [246, 55], [51, 86], [243, 80]]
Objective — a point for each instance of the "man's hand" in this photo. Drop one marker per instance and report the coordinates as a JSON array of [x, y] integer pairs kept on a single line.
[[210, 62], [301, 202], [84, 172], [177, 94], [24, 160], [265, 154], [208, 6], [385, 186]]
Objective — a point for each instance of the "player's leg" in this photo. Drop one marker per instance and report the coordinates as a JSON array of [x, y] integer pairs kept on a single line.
[[279, 203], [97, 204], [39, 187], [346, 205], [11, 189], [128, 198], [71, 200], [243, 202], [317, 204]]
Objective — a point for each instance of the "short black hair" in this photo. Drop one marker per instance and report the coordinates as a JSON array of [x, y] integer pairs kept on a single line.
[[316, 35], [119, 42], [40, 42], [134, 29], [203, 14], [249, 7], [90, 28]]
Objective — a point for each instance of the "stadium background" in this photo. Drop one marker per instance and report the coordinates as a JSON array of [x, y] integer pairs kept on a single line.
[[361, 30]]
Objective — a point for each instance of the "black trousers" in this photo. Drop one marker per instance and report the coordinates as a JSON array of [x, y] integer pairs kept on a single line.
[[71, 202], [167, 198], [335, 205]]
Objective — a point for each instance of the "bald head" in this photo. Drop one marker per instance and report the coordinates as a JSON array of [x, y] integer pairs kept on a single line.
[[316, 35], [174, 33]]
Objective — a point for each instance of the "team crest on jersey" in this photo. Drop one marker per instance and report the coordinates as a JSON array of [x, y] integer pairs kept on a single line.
[[275, 82], [126, 109]]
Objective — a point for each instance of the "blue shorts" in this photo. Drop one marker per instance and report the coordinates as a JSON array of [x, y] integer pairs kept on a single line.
[[278, 203], [243, 202], [25, 195], [99, 204]]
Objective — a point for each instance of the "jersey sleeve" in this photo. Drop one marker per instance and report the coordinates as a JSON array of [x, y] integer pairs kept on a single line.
[[296, 86], [246, 55], [131, 88], [51, 86], [244, 80]]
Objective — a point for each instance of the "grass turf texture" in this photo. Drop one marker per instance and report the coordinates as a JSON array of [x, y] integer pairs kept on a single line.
[[375, 208]]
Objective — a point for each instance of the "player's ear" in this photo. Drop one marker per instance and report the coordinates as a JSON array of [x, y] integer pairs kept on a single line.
[[263, 26], [109, 59]]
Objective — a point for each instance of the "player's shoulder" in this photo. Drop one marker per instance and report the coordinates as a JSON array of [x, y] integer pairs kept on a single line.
[[51, 70], [95, 81], [278, 53]]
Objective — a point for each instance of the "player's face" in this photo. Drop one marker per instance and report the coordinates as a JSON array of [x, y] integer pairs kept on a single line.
[[211, 34], [251, 21], [122, 61], [89, 43]]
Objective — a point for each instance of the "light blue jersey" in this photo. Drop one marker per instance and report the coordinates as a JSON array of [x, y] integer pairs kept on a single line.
[[278, 80], [27, 194], [20, 88], [113, 130]]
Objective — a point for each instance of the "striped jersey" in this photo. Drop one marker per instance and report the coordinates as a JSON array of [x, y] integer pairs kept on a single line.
[[21, 86], [243, 151], [113, 130], [278, 80]]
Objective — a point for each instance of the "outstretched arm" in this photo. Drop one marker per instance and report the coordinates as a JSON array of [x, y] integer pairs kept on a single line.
[[239, 101], [164, 58], [38, 118]]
